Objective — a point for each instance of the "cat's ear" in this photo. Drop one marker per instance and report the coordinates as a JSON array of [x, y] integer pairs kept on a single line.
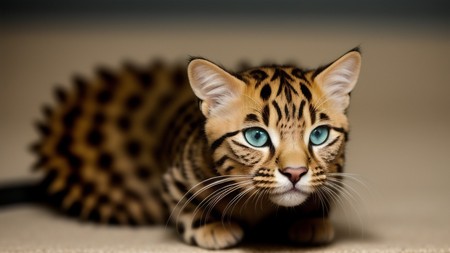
[[214, 86], [339, 78]]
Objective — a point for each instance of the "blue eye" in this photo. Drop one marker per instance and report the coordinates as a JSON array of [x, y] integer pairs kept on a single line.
[[319, 135], [256, 137]]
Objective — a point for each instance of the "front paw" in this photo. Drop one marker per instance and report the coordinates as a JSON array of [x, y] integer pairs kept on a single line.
[[316, 231], [217, 235]]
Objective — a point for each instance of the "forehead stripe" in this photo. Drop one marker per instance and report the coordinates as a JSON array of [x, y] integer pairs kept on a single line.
[[306, 92], [277, 108], [312, 114], [266, 115], [300, 109]]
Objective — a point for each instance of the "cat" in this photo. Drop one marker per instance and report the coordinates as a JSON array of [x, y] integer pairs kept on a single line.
[[211, 152]]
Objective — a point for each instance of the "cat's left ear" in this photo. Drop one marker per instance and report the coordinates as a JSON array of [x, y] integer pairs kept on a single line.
[[339, 78], [213, 85]]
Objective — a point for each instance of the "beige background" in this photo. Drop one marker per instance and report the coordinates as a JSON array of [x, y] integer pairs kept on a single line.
[[400, 116]]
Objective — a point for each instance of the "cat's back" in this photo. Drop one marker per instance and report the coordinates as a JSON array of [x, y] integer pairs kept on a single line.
[[101, 142]]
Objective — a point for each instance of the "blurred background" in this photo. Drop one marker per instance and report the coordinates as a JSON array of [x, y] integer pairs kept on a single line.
[[400, 111]]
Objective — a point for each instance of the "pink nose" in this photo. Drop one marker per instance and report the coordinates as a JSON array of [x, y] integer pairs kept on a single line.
[[294, 174]]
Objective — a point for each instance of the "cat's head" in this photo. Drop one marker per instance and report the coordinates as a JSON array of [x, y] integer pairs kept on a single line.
[[283, 127]]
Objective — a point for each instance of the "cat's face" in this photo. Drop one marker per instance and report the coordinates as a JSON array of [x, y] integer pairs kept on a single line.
[[280, 128]]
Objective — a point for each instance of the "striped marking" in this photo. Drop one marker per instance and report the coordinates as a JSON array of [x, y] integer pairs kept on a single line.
[[277, 108], [266, 115], [306, 92], [312, 114], [219, 141], [251, 118], [300, 109]]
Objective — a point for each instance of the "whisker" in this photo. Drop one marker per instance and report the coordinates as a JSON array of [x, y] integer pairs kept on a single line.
[[223, 179]]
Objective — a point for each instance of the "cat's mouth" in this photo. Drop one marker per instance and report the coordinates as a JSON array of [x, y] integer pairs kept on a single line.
[[289, 198]]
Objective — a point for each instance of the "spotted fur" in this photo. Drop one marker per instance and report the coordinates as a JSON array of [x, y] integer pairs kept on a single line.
[[140, 146]]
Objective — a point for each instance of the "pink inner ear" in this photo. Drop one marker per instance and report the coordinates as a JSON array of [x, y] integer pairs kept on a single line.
[[339, 79], [213, 84]]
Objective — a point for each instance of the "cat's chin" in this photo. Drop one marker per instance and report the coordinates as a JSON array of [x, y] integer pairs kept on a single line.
[[288, 199]]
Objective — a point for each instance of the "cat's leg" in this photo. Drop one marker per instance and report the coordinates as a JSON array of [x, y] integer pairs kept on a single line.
[[208, 233], [312, 231]]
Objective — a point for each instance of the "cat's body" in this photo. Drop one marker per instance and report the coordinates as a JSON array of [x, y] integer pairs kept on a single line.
[[137, 146]]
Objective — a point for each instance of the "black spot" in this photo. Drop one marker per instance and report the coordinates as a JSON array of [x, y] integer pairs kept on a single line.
[[113, 220], [99, 118], [132, 195], [324, 116], [197, 223], [132, 221], [251, 118], [306, 92], [61, 95], [47, 111], [35, 147], [104, 96], [80, 85], [258, 74], [57, 197], [103, 199], [143, 172], [105, 161], [133, 148], [121, 207], [88, 188], [75, 161], [43, 129], [75, 208], [265, 92], [49, 178], [124, 123], [74, 178], [107, 76], [298, 73], [133, 102], [71, 115], [145, 79], [95, 137], [94, 215], [116, 178], [64, 143], [41, 162]]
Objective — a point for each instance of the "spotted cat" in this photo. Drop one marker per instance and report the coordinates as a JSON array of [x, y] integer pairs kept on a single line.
[[211, 152]]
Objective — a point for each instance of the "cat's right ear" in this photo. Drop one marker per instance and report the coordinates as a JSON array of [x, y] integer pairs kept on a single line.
[[214, 86]]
